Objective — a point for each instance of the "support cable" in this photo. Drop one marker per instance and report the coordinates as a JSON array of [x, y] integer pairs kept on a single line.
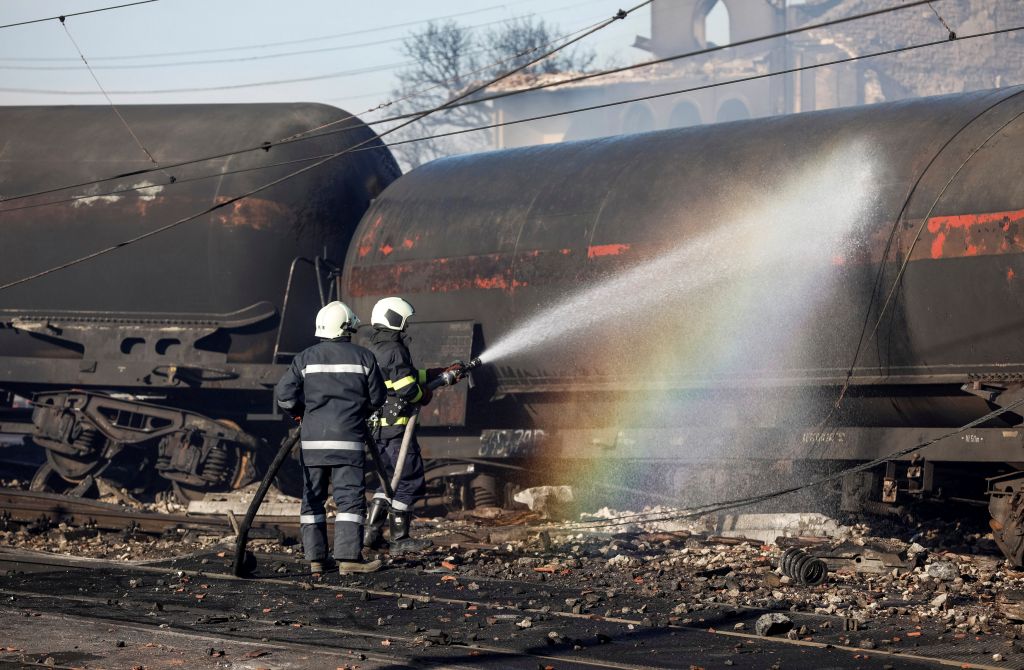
[[124, 122], [65, 16], [702, 87], [266, 146], [503, 124], [691, 54], [621, 14], [724, 505], [880, 274], [265, 45], [4, 62], [927, 216], [950, 31]]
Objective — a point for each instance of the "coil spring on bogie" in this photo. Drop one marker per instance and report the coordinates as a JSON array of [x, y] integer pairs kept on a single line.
[[89, 440], [803, 568], [216, 462]]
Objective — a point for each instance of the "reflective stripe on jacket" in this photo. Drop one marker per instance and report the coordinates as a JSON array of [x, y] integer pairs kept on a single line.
[[339, 384], [405, 383]]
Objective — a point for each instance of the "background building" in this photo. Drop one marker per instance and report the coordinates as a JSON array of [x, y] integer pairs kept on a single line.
[[681, 26]]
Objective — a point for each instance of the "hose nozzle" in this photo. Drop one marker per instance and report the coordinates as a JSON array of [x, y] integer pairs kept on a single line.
[[455, 373]]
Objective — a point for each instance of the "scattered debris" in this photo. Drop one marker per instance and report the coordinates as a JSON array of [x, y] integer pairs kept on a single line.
[[876, 556], [945, 571], [774, 623], [803, 568], [767, 527], [550, 501]]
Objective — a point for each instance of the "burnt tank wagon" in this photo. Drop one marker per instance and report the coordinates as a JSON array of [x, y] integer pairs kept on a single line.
[[161, 356], [752, 363]]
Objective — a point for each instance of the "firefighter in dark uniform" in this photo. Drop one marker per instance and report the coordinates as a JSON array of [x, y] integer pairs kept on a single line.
[[407, 391], [332, 388]]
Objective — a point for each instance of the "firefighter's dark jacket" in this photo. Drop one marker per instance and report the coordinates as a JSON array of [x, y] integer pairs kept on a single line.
[[335, 386], [407, 385]]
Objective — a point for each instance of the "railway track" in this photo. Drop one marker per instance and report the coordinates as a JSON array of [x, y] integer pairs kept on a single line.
[[48, 508], [416, 626]]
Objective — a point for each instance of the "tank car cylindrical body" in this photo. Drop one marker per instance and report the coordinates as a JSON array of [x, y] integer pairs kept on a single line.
[[497, 238], [223, 262], [160, 356]]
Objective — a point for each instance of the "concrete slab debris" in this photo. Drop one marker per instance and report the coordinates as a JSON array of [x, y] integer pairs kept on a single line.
[[768, 527], [775, 623], [549, 501]]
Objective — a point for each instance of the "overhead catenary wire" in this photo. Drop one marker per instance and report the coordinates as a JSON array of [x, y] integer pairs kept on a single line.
[[256, 57], [880, 273], [285, 140], [501, 124], [702, 87], [482, 99], [924, 221], [61, 17], [337, 74], [621, 14], [703, 52], [264, 45]]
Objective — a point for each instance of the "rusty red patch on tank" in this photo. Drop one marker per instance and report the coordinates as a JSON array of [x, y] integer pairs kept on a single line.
[[407, 243], [606, 250], [1010, 274], [490, 282], [975, 234], [369, 237], [386, 249], [565, 252]]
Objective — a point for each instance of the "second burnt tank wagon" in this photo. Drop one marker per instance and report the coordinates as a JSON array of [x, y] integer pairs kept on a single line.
[[923, 283]]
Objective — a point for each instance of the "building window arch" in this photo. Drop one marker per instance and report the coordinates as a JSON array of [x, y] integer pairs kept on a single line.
[[639, 119], [733, 109], [684, 115]]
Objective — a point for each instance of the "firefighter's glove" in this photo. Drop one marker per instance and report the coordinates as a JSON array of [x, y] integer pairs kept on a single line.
[[456, 369]]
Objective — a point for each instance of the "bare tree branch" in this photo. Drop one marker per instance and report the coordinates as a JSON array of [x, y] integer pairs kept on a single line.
[[449, 59]]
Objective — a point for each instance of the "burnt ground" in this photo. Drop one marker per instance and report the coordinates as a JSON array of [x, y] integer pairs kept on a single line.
[[507, 598]]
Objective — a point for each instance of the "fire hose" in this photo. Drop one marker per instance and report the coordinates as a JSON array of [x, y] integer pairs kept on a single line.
[[245, 562], [451, 376]]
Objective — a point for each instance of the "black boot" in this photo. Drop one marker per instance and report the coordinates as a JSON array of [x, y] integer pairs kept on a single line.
[[400, 540], [373, 531]]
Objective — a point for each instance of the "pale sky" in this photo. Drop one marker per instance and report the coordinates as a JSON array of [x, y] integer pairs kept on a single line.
[[152, 39]]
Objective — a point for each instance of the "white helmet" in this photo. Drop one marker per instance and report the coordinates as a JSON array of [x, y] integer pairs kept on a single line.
[[334, 320], [391, 313]]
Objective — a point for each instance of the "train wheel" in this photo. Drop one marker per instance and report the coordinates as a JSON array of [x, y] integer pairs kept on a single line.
[[48, 480], [184, 494], [227, 467], [231, 459], [71, 469]]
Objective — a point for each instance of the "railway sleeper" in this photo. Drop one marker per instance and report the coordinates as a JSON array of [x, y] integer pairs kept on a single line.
[[89, 434]]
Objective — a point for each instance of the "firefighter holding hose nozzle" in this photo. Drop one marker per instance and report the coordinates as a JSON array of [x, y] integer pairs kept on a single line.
[[408, 389]]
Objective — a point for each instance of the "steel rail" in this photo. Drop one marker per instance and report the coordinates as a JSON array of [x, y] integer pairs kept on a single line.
[[32, 506], [60, 561]]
